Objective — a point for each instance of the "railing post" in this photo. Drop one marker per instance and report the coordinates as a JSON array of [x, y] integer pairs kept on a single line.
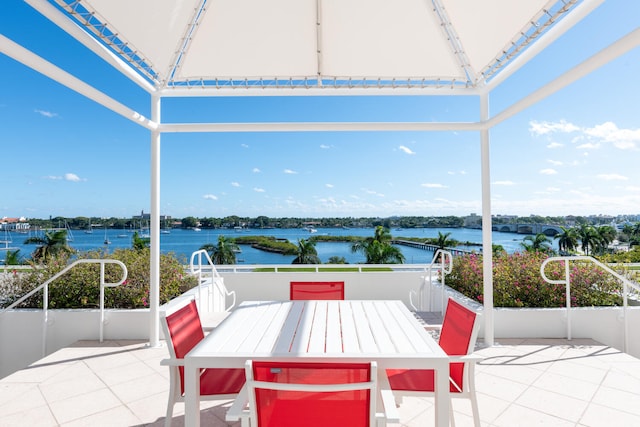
[[101, 301], [45, 318], [567, 276]]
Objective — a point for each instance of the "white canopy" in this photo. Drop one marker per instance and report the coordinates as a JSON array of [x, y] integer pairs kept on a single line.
[[448, 44], [192, 48]]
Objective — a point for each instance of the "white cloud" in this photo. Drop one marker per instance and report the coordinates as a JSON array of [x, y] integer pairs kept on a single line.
[[256, 170], [329, 185], [612, 177], [235, 184], [554, 145], [432, 185], [503, 183], [548, 171], [623, 139], [373, 192], [544, 128], [259, 190], [554, 162], [588, 146], [244, 145], [210, 197], [290, 172], [48, 114], [53, 177], [72, 177], [406, 149], [325, 146]]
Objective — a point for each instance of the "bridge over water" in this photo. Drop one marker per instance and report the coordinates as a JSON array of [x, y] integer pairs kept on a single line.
[[429, 247], [547, 229]]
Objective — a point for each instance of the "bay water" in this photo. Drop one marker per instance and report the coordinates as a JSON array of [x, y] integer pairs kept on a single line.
[[183, 242]]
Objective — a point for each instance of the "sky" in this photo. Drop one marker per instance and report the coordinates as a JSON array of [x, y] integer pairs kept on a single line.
[[574, 153]]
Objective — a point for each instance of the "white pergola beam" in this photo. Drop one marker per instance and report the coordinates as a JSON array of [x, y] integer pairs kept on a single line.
[[318, 127], [556, 31], [44, 67], [80, 34], [606, 55], [239, 91]]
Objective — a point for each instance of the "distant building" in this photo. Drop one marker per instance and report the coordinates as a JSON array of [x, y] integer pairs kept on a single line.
[[147, 216], [14, 224]]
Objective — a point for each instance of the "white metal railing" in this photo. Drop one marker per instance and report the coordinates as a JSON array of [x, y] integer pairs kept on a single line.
[[208, 275], [443, 262], [626, 284], [320, 268], [45, 293]]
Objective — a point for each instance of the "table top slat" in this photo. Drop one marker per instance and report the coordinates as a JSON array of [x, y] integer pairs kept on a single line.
[[350, 341], [334, 333], [378, 329], [363, 328], [318, 337], [288, 330]]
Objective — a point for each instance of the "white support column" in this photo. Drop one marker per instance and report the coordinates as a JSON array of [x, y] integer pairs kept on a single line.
[[487, 249], [154, 285]]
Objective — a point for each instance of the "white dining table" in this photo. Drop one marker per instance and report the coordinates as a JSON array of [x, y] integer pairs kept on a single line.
[[319, 331]]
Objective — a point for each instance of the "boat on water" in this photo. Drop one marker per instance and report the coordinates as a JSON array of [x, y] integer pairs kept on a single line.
[[197, 229]]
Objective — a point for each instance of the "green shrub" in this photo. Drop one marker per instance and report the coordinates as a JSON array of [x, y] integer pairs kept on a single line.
[[517, 282], [80, 286]]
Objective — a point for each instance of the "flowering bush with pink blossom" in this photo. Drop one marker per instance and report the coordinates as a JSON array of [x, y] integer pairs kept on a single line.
[[517, 281], [80, 286]]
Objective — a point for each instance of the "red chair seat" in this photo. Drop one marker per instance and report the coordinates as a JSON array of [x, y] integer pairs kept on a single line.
[[221, 381], [415, 380]]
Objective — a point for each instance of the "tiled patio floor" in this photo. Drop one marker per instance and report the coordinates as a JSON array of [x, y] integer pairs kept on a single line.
[[533, 382]]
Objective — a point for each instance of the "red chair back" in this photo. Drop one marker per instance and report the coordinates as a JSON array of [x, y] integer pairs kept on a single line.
[[284, 408], [317, 291], [455, 336], [186, 331]]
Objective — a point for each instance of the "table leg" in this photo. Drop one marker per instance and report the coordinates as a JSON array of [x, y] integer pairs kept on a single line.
[[191, 396], [442, 394]]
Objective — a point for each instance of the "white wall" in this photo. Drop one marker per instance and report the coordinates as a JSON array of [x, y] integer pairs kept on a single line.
[[21, 330]]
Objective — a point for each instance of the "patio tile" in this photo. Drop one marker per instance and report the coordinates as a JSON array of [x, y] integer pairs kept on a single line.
[[77, 379], [520, 416], [118, 416], [618, 399], [84, 405], [139, 388], [598, 416], [19, 398], [577, 388], [124, 373], [79, 386], [555, 404], [39, 416]]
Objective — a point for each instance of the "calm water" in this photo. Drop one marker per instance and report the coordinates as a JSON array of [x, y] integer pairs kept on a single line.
[[184, 242]]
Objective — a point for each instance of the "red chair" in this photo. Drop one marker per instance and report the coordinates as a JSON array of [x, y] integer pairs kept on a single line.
[[287, 394], [457, 338], [183, 330], [317, 291]]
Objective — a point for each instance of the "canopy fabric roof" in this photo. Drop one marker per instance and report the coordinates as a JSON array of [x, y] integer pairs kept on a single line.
[[254, 44]]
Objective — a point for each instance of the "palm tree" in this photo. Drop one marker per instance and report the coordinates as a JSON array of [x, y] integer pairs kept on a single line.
[[567, 239], [12, 257], [378, 249], [443, 240], [138, 242], [588, 237], [53, 243], [606, 235], [538, 243], [307, 253], [224, 252]]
